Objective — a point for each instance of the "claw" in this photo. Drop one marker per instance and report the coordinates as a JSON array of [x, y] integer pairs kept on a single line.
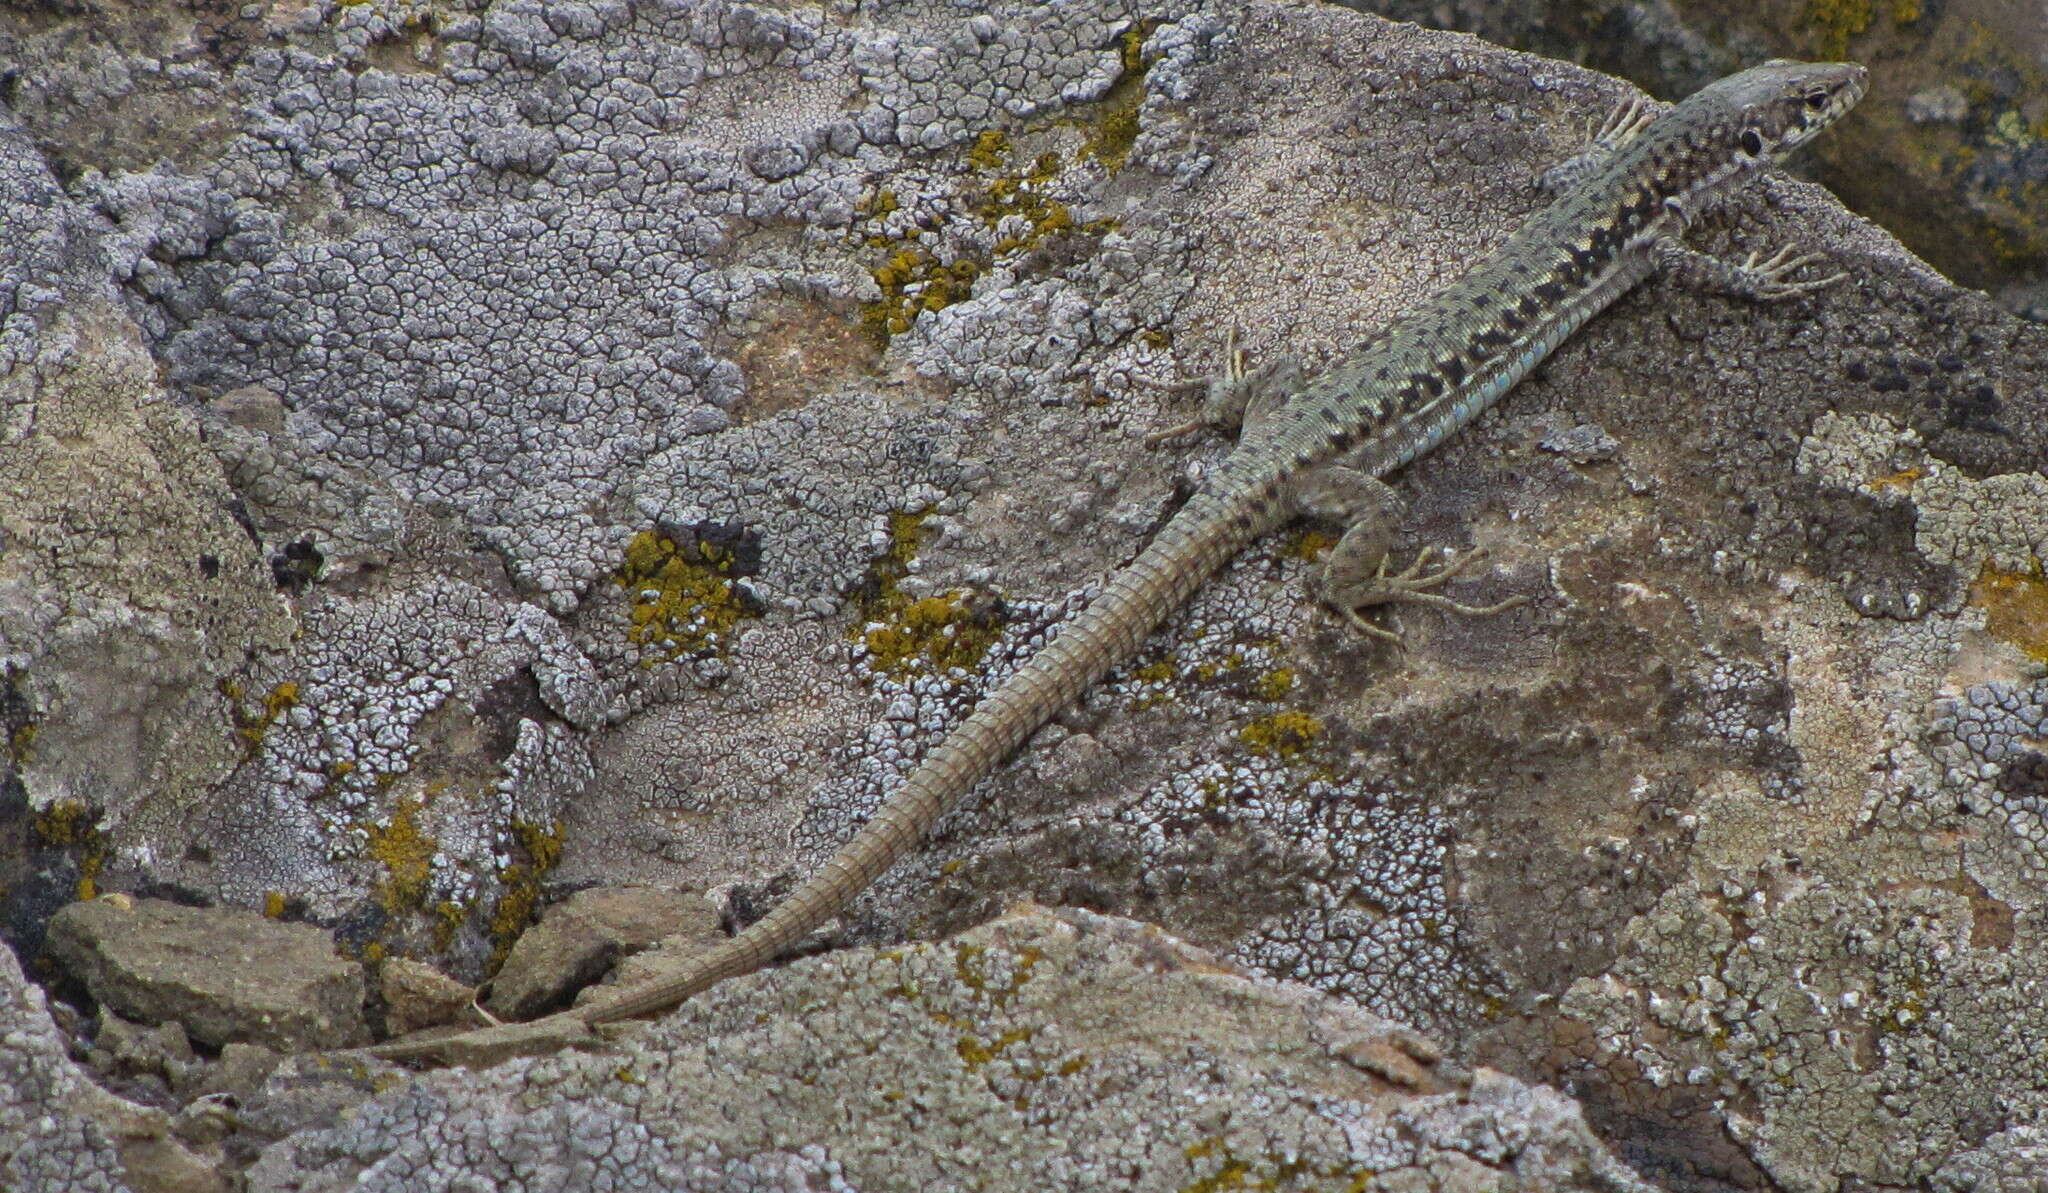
[[1773, 274], [1412, 585], [1232, 373], [1189, 427]]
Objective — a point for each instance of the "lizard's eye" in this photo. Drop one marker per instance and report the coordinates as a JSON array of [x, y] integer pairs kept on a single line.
[[1816, 100], [1752, 142]]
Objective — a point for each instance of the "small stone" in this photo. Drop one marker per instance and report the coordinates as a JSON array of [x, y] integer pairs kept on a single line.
[[224, 974], [581, 938], [251, 406], [417, 995]]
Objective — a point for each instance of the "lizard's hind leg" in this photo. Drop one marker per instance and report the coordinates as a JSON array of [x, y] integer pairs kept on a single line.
[[1356, 576], [1234, 397]]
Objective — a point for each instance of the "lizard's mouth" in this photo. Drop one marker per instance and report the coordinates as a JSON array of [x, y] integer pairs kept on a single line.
[[1833, 95]]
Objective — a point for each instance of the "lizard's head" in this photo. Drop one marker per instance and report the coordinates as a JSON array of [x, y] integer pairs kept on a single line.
[[1765, 112]]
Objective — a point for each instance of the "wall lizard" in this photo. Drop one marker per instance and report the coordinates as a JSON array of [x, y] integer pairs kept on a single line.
[[1319, 447]]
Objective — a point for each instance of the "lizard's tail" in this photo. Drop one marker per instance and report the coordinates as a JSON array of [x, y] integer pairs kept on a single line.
[[1205, 533]]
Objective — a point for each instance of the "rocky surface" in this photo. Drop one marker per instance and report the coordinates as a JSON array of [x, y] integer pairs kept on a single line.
[[220, 973], [582, 938], [61, 1132], [453, 456], [417, 995], [1041, 1051]]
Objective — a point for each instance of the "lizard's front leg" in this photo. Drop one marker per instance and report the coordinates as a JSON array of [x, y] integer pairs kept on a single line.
[[1623, 124], [1356, 575], [1758, 278]]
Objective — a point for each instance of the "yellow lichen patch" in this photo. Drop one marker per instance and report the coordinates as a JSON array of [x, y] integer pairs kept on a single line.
[[928, 635], [2015, 608], [1107, 137], [1204, 672], [273, 904], [975, 1052], [73, 825], [970, 968], [1282, 735], [1154, 680], [684, 599], [906, 535], [1159, 672], [448, 920], [1834, 22], [914, 280], [407, 856], [1027, 196], [934, 635], [1903, 479], [522, 880], [1274, 684], [21, 745], [252, 725], [991, 148], [1276, 1170]]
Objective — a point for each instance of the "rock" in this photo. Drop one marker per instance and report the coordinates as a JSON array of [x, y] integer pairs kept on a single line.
[[1048, 1049], [580, 938], [61, 1133], [238, 1074], [304, 1092], [224, 973], [1732, 832], [159, 1056], [656, 962], [417, 995]]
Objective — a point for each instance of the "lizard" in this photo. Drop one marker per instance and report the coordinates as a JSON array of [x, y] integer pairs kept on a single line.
[[1320, 446]]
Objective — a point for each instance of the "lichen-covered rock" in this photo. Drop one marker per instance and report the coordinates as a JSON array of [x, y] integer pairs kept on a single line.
[[223, 973], [59, 1132], [1941, 153], [1042, 1051], [128, 592], [630, 435]]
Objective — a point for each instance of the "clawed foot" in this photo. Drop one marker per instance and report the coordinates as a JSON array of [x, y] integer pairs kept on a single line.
[[1236, 397], [1625, 121], [1413, 585], [1758, 278], [1767, 275], [1232, 376]]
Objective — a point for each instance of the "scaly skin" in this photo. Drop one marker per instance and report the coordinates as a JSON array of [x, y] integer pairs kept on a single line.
[[1392, 399]]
